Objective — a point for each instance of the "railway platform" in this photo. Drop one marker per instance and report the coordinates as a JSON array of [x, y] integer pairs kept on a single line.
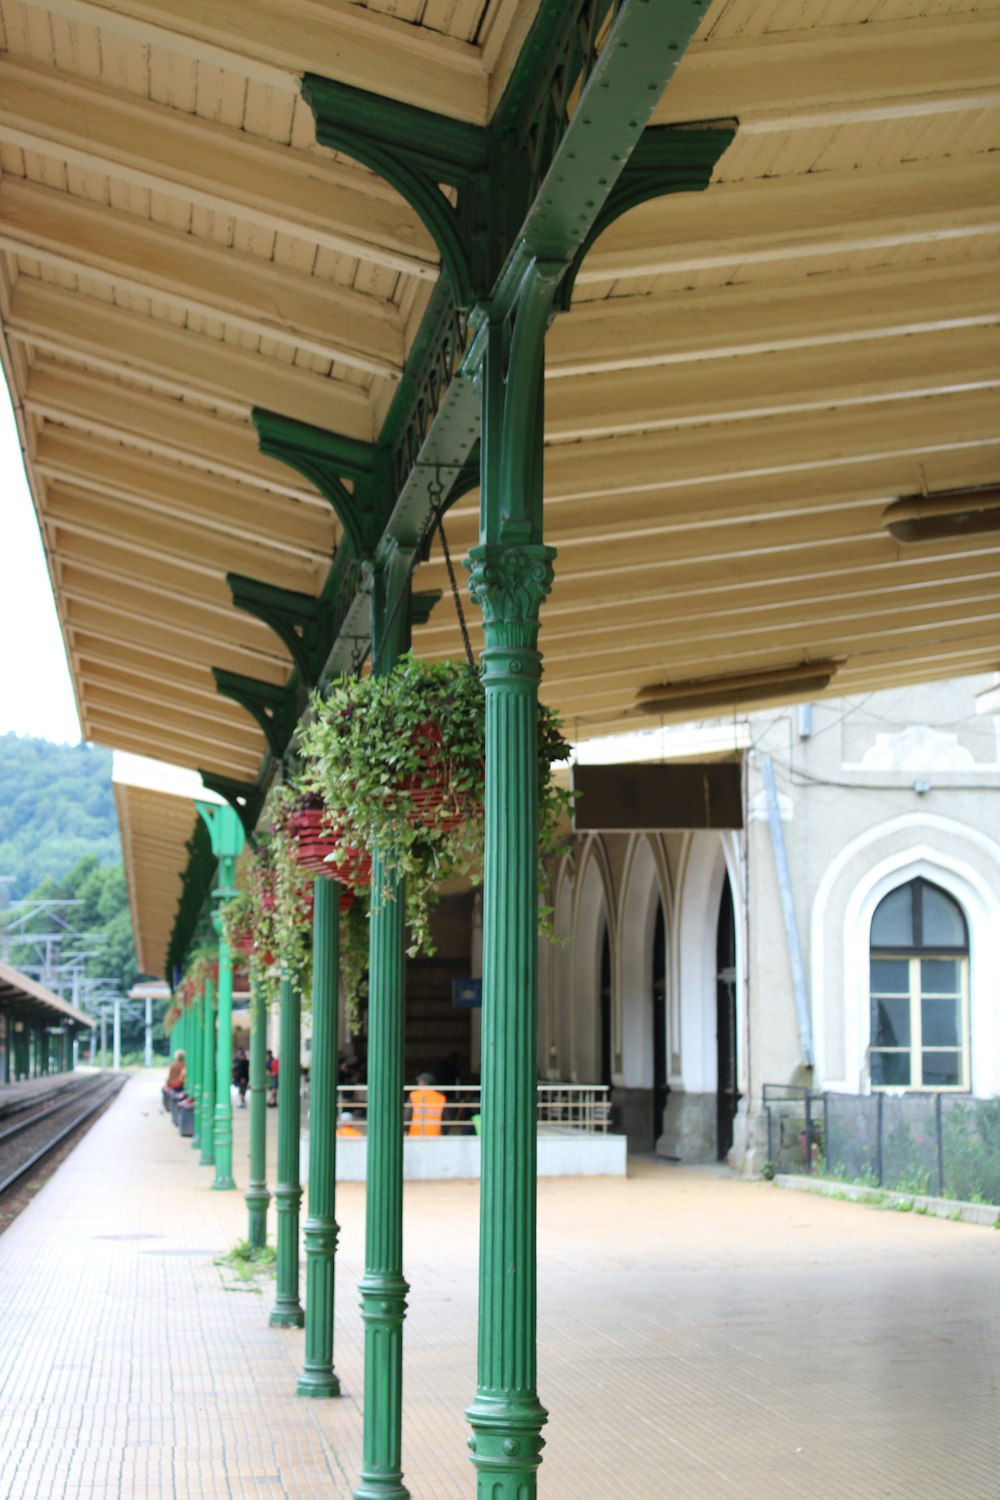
[[701, 1339]]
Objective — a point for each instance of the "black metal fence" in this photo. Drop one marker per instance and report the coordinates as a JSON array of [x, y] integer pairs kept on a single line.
[[941, 1144]]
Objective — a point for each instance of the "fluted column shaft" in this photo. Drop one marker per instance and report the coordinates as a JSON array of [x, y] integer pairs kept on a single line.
[[320, 1229], [383, 1289], [287, 1310], [257, 1196], [195, 1050], [224, 1066], [511, 575], [506, 1416], [207, 1158]]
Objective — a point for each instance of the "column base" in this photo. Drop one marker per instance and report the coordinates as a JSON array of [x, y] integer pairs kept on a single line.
[[222, 1183], [506, 1446], [321, 1384], [287, 1317], [375, 1488]]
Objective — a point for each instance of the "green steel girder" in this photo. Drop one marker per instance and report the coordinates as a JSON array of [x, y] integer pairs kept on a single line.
[[276, 709], [300, 621]]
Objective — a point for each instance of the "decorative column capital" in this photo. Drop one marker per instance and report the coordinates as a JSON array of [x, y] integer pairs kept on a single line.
[[509, 583]]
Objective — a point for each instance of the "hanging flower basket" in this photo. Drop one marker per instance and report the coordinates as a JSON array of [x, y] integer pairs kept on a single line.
[[401, 758]]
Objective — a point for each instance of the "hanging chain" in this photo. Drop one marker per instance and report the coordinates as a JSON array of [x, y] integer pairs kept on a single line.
[[456, 595], [435, 494]]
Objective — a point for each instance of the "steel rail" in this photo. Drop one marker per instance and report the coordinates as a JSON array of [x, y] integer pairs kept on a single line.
[[82, 1091], [107, 1094]]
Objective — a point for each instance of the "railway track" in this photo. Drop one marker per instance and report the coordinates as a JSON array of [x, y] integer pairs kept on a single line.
[[38, 1126]]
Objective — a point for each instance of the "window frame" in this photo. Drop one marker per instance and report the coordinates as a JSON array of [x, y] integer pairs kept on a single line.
[[913, 956]]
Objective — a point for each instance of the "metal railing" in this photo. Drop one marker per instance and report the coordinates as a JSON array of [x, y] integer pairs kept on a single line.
[[943, 1144], [579, 1107]]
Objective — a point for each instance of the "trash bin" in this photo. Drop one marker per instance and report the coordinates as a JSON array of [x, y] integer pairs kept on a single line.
[[185, 1117]]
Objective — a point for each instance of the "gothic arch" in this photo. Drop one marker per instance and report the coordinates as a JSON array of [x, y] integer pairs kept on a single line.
[[707, 861], [594, 906], [645, 885]]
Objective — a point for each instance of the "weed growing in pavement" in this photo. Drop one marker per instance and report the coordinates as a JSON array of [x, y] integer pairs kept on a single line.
[[247, 1264]]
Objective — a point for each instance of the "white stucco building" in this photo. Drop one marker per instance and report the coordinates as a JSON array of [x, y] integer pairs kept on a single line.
[[686, 982]]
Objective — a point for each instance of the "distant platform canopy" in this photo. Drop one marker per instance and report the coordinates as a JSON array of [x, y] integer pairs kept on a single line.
[[23, 998]]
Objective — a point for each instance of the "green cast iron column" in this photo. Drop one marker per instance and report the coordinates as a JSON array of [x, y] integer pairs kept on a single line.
[[257, 1196], [287, 1310], [511, 575], [194, 1066], [226, 833], [320, 1229], [383, 1289], [224, 1065], [207, 1158]]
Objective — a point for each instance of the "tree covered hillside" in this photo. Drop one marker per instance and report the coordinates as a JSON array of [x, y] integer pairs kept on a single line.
[[56, 805]]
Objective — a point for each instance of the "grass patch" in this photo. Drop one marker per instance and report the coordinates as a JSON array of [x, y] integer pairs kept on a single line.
[[248, 1265]]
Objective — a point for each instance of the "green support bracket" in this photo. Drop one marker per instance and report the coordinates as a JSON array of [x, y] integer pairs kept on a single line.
[[420, 154], [245, 798], [196, 883], [352, 476], [421, 606], [300, 621], [667, 159], [275, 708]]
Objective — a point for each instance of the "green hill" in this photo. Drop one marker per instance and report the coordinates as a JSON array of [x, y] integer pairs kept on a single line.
[[56, 805]]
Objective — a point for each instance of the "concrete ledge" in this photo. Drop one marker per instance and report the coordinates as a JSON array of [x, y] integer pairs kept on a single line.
[[940, 1208], [450, 1157]]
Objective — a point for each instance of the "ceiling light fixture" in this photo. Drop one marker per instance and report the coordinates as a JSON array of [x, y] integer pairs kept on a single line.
[[949, 513], [793, 681]]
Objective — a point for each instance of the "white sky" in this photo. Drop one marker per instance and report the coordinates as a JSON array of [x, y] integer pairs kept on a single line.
[[36, 697]]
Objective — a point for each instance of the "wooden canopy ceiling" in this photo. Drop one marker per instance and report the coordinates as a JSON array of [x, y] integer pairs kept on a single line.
[[748, 378]]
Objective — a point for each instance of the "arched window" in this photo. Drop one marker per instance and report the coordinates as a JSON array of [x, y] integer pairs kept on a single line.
[[919, 990]]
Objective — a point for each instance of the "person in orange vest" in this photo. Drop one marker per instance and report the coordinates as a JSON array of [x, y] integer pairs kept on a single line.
[[347, 1126], [425, 1107]]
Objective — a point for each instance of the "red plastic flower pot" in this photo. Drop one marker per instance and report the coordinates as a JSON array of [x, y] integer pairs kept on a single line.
[[433, 802], [316, 838]]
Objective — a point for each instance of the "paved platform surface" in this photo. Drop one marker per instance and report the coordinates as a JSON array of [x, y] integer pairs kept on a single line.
[[700, 1339]]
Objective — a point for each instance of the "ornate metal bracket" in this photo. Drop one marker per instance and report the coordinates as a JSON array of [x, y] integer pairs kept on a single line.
[[244, 797], [420, 154], [300, 622], [274, 708], [353, 476], [667, 159]]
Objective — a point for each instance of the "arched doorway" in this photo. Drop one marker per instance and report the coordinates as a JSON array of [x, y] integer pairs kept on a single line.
[[725, 1007]]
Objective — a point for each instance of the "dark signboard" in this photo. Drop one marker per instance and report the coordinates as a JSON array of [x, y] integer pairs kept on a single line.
[[619, 799], [467, 994]]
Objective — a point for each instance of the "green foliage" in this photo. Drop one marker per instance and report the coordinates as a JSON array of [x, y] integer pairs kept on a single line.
[[248, 1264], [56, 806], [971, 1139]]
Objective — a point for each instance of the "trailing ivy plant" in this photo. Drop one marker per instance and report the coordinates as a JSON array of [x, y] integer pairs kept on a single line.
[[399, 762]]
